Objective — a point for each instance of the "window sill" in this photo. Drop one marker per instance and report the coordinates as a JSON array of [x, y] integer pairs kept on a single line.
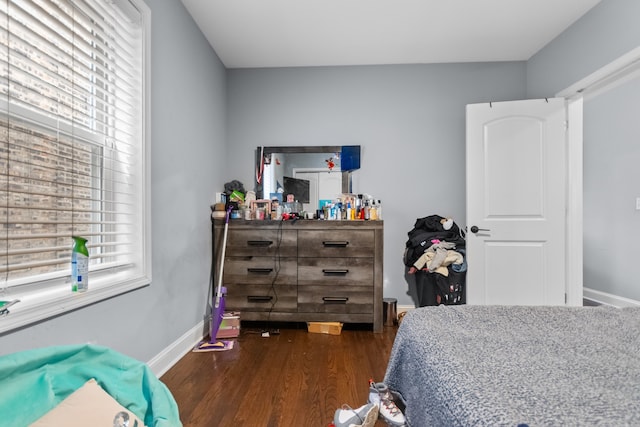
[[45, 304]]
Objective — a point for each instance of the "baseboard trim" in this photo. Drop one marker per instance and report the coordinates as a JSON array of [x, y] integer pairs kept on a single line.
[[402, 308], [168, 357], [608, 299]]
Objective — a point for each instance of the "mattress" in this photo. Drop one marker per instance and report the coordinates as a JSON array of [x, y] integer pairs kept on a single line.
[[537, 366]]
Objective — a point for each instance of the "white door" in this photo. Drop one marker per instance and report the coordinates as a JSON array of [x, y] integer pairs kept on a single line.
[[329, 185], [323, 185], [516, 202]]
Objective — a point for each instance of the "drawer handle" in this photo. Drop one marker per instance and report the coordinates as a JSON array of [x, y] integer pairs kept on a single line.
[[335, 300], [334, 244], [259, 298], [328, 272], [259, 242], [260, 270]]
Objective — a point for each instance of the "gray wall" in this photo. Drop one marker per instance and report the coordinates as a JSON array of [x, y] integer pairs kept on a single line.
[[611, 140], [606, 32], [188, 150], [409, 120]]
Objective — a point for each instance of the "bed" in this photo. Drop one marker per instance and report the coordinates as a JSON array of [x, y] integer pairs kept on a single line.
[[536, 366]]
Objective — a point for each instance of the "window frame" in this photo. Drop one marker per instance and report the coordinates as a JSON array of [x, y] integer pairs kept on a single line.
[[52, 297]]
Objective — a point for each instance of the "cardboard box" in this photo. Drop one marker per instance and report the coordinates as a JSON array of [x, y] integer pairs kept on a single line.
[[331, 328], [89, 405], [230, 325]]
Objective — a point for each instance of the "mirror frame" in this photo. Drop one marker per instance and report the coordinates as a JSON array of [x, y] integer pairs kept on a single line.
[[261, 152]]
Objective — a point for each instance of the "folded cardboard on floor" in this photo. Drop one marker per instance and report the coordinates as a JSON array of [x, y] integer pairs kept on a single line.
[[90, 405], [331, 328]]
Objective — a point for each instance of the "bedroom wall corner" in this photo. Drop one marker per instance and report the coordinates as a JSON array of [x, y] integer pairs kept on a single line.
[[170, 355], [604, 33]]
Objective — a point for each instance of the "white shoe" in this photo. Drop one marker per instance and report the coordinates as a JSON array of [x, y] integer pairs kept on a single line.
[[364, 416], [380, 395]]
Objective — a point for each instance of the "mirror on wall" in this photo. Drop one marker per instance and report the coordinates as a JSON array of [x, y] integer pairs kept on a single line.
[[309, 175]]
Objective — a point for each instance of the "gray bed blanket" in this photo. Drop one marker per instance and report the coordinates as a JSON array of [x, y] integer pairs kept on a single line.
[[505, 366]]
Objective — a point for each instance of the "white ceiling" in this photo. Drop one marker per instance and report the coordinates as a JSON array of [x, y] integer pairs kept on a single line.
[[290, 33]]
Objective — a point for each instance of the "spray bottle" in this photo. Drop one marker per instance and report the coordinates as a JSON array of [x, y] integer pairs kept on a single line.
[[79, 265]]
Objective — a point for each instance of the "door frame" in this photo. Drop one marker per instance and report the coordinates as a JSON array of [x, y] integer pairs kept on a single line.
[[620, 70]]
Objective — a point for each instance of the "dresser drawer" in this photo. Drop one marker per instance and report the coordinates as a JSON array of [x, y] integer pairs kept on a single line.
[[335, 272], [335, 299], [336, 243], [259, 270], [262, 298], [260, 242]]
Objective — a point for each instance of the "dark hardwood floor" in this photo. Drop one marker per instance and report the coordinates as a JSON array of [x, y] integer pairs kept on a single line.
[[294, 378]]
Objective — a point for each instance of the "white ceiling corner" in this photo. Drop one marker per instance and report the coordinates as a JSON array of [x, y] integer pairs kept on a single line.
[[294, 33]]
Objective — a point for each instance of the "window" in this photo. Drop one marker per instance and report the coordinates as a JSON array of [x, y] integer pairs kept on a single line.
[[73, 151]]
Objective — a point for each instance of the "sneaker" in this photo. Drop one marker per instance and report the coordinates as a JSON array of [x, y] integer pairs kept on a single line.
[[380, 395], [364, 416]]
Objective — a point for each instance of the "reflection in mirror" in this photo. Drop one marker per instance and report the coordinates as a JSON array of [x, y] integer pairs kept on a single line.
[[308, 175]]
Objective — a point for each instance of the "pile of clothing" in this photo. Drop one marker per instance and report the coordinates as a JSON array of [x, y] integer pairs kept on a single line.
[[435, 252]]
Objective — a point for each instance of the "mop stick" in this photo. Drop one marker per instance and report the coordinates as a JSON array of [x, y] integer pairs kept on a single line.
[[216, 311], [224, 250]]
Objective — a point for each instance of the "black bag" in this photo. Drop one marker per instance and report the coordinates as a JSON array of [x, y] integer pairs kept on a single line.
[[450, 289]]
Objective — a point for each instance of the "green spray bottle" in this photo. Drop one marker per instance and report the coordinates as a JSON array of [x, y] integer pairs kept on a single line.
[[79, 265]]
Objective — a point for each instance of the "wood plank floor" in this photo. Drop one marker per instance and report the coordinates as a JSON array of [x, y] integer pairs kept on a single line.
[[294, 378]]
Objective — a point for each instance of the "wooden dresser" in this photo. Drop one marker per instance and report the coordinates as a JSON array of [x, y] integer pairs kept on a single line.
[[303, 271]]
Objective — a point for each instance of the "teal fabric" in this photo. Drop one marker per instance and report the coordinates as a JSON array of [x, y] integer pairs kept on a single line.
[[35, 381]]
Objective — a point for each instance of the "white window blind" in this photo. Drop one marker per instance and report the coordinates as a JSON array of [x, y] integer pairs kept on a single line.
[[73, 158]]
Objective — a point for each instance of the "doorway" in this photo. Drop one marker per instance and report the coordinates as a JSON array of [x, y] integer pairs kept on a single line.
[[323, 185], [583, 213]]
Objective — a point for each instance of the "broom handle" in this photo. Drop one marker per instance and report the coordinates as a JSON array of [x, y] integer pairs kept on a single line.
[[224, 248]]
